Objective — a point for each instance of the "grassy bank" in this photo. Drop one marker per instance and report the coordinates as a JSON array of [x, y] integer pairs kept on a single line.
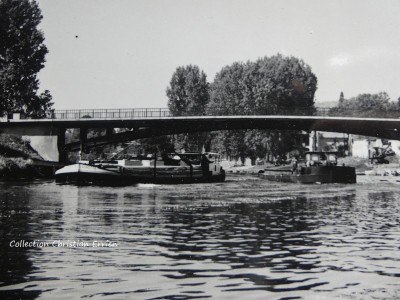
[[17, 158], [361, 165]]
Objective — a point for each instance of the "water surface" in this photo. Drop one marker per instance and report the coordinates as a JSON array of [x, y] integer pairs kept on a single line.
[[242, 239]]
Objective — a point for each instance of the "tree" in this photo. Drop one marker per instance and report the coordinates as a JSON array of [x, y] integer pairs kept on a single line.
[[227, 98], [341, 98], [367, 105], [271, 85], [227, 94], [282, 85], [257, 142], [22, 56], [188, 94]]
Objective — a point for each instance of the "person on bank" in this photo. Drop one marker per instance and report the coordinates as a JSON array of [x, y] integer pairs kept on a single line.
[[294, 164]]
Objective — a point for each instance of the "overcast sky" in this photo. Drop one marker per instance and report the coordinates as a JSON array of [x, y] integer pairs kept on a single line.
[[122, 53]]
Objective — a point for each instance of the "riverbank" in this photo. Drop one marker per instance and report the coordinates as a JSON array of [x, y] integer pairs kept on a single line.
[[362, 165], [19, 160]]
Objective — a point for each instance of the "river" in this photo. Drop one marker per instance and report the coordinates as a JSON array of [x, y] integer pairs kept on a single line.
[[245, 238]]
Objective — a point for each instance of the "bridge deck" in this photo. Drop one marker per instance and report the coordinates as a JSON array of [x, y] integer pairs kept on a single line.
[[158, 124], [384, 128]]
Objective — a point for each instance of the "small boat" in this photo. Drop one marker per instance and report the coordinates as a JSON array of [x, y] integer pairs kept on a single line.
[[173, 168], [320, 167]]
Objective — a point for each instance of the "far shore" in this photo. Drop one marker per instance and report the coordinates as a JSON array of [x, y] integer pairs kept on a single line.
[[17, 168], [363, 167]]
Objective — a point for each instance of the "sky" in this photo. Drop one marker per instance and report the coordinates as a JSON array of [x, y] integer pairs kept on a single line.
[[122, 53]]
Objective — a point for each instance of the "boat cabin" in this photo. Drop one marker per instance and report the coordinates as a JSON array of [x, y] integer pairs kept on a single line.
[[319, 158], [213, 162], [210, 161]]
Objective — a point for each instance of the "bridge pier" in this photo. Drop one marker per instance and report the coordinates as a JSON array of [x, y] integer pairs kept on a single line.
[[82, 139], [62, 152], [109, 131]]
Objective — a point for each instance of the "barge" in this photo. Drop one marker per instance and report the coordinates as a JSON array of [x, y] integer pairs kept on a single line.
[[173, 169], [320, 167]]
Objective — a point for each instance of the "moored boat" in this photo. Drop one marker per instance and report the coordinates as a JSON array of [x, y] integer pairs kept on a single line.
[[320, 167], [174, 168]]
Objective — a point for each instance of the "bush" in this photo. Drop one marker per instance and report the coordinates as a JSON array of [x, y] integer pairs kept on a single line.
[[14, 146]]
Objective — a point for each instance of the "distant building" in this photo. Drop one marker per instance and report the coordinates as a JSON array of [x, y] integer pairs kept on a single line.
[[351, 145], [330, 142]]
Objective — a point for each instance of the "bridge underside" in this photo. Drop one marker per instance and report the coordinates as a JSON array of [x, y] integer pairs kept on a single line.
[[388, 129], [143, 128]]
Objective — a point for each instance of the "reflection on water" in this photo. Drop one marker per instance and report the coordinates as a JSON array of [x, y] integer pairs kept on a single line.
[[242, 239]]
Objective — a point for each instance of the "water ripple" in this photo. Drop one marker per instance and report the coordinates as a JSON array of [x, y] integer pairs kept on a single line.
[[245, 238]]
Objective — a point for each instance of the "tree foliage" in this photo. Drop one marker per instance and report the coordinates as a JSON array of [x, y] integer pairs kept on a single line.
[[188, 91], [188, 94], [22, 56], [271, 85], [366, 105], [160, 145]]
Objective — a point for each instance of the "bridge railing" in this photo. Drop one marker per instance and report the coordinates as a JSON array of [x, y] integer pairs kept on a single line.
[[163, 112], [132, 113], [109, 113]]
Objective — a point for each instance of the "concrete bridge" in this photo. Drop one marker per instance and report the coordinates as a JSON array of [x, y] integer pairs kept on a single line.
[[156, 122]]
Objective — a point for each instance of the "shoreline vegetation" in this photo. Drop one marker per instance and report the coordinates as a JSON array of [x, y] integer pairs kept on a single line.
[[19, 160]]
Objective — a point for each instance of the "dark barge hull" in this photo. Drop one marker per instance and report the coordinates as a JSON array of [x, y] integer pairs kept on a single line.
[[314, 174], [119, 179]]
